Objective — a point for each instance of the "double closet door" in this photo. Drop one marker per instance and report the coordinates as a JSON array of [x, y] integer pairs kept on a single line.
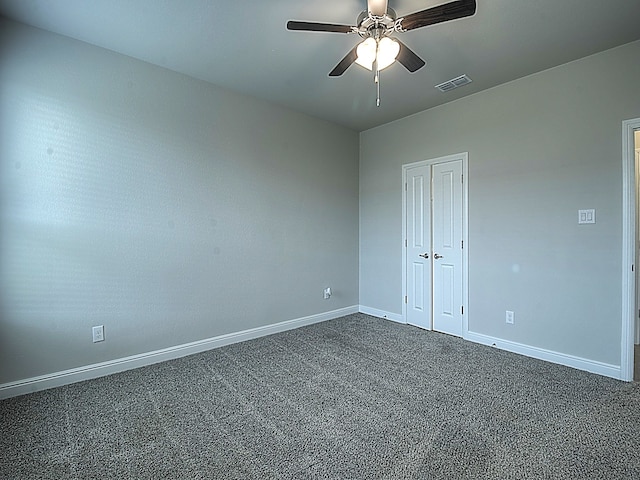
[[434, 259]]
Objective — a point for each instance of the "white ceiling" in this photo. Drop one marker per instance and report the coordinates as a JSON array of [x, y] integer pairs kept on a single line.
[[243, 45]]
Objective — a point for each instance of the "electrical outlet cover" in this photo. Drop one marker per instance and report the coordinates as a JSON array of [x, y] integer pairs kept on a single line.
[[98, 333]]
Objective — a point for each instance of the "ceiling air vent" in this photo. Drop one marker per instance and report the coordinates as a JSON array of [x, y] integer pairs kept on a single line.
[[453, 83]]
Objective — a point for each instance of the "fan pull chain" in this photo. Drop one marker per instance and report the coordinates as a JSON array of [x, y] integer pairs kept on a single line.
[[376, 73], [376, 80]]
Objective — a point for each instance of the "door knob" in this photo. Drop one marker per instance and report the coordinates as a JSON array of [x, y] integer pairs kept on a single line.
[[436, 256], [424, 255]]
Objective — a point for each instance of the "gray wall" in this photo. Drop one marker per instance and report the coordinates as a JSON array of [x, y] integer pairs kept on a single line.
[[160, 206], [540, 148]]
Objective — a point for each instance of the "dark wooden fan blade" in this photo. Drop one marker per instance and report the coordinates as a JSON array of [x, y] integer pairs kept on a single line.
[[408, 58], [344, 63], [318, 27], [439, 14]]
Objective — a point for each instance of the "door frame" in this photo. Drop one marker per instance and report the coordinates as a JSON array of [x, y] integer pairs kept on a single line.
[[464, 157], [629, 240], [637, 239]]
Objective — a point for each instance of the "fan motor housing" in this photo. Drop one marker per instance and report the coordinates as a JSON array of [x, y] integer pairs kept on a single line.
[[376, 26]]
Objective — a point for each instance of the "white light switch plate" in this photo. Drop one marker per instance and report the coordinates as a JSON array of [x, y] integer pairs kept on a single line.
[[587, 216]]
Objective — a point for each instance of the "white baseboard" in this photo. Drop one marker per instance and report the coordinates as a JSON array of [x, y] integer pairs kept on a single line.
[[88, 372], [592, 366], [374, 312]]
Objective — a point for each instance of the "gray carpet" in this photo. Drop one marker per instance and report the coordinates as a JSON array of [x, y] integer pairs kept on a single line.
[[352, 398]]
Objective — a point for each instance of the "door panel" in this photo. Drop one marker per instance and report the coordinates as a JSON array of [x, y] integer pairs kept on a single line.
[[447, 247], [418, 237], [447, 276], [418, 287], [419, 208]]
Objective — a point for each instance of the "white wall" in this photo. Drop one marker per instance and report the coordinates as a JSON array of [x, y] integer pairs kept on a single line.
[[540, 148], [160, 206]]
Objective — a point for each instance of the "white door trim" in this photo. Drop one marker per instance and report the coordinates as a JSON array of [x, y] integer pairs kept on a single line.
[[464, 157], [637, 297], [628, 248]]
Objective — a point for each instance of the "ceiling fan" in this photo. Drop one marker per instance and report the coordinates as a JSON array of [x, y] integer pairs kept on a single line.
[[376, 24]]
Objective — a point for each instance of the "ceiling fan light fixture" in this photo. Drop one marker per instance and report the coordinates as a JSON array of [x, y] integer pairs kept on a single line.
[[386, 49], [366, 53]]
